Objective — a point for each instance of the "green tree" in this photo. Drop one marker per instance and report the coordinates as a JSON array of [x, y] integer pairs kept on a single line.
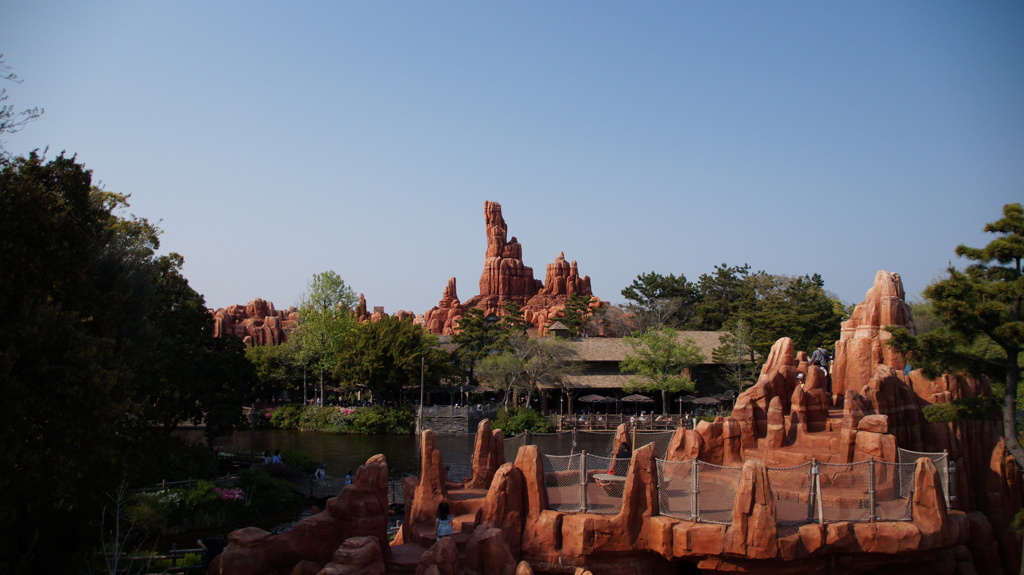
[[737, 358], [480, 335], [278, 368], [658, 361], [660, 301], [530, 364], [325, 318], [387, 355], [104, 350], [979, 307], [720, 295], [575, 314], [781, 306]]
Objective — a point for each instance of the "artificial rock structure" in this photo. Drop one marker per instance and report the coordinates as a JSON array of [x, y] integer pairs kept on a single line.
[[504, 523], [506, 279]]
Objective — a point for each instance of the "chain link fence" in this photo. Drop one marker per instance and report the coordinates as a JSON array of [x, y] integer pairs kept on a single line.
[[677, 488], [845, 490], [660, 439], [793, 490], [562, 480], [579, 479], [941, 461]]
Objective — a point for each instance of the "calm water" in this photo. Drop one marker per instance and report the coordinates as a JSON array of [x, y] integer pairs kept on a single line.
[[341, 453]]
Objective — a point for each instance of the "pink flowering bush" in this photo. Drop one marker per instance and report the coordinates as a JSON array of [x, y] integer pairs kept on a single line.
[[232, 494]]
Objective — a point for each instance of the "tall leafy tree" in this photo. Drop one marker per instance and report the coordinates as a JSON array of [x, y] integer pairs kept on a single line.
[[481, 335], [979, 308], [104, 349], [325, 317], [530, 364], [387, 355], [720, 295], [660, 301], [737, 358], [658, 361], [575, 315]]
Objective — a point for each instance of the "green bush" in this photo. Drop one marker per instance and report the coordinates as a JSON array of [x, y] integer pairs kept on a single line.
[[265, 494], [299, 460], [517, 420], [286, 416], [383, 421], [965, 409]]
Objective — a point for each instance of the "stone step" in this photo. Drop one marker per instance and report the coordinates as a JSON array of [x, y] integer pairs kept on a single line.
[[404, 558]]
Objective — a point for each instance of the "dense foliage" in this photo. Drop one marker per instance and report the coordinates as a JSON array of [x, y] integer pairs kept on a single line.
[[104, 350], [371, 420], [981, 331], [516, 420], [658, 360], [963, 409], [758, 308], [387, 355]]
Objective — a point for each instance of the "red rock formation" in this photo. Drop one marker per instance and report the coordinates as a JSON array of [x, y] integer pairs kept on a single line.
[[506, 278], [256, 323], [488, 455], [861, 346], [360, 510]]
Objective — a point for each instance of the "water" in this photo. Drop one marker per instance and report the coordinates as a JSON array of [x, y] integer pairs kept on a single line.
[[341, 453]]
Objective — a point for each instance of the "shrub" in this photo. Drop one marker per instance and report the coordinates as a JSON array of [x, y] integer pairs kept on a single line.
[[299, 460], [383, 421], [265, 494], [965, 409], [516, 420]]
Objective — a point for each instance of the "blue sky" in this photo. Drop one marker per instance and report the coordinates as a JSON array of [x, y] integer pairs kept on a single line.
[[272, 141]]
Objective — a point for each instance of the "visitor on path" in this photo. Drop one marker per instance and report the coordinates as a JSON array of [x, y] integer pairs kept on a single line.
[[320, 472], [348, 478], [823, 359], [277, 457], [212, 547], [444, 521]]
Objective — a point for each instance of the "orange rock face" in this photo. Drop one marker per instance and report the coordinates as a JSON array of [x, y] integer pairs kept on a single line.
[[861, 346], [506, 278], [255, 323]]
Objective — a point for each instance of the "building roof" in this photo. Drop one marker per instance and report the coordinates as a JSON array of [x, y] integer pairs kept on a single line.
[[608, 349]]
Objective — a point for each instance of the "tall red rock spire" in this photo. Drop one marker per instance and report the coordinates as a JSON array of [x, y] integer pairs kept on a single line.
[[506, 278]]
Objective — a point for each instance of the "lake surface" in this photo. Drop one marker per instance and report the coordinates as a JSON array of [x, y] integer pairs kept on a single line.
[[341, 453]]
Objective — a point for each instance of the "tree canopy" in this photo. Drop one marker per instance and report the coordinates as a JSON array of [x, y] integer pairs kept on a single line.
[[326, 315], [386, 355], [979, 309], [658, 360], [104, 350]]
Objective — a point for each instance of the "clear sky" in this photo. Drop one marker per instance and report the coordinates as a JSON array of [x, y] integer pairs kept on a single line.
[[275, 140]]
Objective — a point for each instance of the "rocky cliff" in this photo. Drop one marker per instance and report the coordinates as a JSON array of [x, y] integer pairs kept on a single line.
[[506, 279]]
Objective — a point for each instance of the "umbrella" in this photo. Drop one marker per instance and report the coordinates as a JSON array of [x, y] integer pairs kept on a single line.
[[685, 399], [637, 399], [594, 398], [706, 401]]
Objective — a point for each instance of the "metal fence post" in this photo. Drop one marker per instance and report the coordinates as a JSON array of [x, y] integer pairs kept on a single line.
[[583, 480], [529, 440], [951, 470], [872, 503], [694, 490], [816, 475], [810, 493]]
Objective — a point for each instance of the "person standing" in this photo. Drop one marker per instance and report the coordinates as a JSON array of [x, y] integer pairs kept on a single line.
[[823, 359], [444, 521]]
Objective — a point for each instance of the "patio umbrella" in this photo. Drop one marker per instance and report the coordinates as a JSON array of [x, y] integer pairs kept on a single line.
[[684, 399], [637, 399], [706, 401], [594, 398]]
